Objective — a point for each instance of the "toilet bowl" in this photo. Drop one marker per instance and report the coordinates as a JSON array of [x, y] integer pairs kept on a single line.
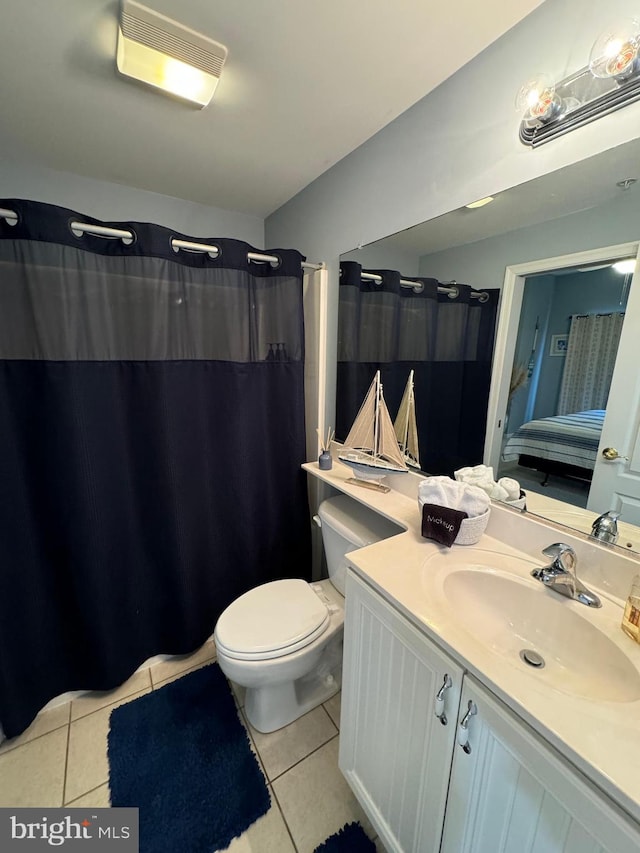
[[282, 640]]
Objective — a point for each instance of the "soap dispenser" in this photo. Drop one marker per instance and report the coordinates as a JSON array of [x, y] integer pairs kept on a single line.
[[631, 618]]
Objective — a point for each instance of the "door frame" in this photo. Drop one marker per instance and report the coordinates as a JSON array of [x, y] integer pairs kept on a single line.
[[507, 332]]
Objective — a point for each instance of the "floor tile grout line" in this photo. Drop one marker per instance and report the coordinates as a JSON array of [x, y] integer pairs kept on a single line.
[[66, 762], [123, 700], [308, 755], [284, 818], [69, 803], [9, 749], [336, 732], [330, 717]]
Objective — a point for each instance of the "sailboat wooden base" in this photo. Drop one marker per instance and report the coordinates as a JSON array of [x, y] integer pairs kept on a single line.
[[368, 484]]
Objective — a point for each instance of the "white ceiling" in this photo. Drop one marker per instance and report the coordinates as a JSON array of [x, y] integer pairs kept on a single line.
[[305, 83]]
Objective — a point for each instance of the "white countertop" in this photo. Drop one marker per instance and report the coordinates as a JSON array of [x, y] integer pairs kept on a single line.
[[579, 519], [601, 738]]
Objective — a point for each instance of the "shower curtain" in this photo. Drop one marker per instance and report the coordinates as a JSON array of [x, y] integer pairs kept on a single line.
[[151, 436], [447, 342]]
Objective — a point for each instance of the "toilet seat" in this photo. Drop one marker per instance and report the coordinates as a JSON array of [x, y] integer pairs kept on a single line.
[[271, 621]]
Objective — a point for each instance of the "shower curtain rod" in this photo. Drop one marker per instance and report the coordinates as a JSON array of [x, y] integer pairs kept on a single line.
[[127, 237], [449, 287]]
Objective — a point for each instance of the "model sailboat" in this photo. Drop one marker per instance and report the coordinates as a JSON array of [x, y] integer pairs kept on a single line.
[[371, 448], [406, 428]]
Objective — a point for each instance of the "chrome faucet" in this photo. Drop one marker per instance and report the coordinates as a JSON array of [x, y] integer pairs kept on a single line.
[[561, 577], [605, 528]]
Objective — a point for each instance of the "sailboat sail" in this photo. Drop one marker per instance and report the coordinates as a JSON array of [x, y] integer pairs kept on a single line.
[[362, 433], [405, 426], [387, 443], [371, 448]]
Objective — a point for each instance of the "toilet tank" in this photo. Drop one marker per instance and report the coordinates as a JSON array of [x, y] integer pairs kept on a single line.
[[347, 525]]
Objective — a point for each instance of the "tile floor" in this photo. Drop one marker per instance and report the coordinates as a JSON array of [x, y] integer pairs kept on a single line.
[[61, 760]]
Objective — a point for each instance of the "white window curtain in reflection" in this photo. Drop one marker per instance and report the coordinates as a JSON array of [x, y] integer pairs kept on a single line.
[[591, 355]]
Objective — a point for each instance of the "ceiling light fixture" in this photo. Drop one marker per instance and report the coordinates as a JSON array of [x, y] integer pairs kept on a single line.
[[480, 203], [167, 55]]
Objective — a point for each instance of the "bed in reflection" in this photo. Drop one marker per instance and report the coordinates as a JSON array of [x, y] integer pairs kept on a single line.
[[566, 445]]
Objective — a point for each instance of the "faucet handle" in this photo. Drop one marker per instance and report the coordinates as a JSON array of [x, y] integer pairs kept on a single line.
[[564, 557], [609, 516], [605, 527]]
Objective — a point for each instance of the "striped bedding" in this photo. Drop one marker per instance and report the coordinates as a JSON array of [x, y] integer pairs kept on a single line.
[[572, 439]]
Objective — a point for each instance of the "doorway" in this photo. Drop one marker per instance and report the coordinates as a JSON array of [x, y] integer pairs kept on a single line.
[[518, 345], [547, 446]]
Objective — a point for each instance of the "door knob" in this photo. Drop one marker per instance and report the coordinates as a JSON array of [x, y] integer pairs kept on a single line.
[[610, 453]]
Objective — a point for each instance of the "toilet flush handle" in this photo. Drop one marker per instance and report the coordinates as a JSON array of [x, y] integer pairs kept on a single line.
[[317, 520]]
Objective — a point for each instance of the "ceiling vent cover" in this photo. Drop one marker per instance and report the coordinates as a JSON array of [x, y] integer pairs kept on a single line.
[[167, 55]]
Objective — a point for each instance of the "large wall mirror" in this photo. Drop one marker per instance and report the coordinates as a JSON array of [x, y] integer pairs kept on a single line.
[[544, 245]]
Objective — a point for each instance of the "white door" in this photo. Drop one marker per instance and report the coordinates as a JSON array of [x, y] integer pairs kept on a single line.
[[394, 752], [616, 482], [510, 792]]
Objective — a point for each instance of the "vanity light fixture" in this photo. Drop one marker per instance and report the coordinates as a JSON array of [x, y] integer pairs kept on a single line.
[[480, 203], [610, 81], [167, 55]]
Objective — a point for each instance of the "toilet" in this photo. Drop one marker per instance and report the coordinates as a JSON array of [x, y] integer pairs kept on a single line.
[[282, 640]]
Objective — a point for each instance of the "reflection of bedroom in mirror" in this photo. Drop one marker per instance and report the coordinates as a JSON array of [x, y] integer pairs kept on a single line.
[[578, 217], [568, 336]]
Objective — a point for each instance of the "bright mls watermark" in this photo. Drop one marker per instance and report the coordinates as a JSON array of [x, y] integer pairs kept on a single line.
[[26, 830]]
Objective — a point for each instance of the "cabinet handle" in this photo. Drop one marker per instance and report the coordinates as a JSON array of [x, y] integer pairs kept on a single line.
[[439, 703], [463, 727]]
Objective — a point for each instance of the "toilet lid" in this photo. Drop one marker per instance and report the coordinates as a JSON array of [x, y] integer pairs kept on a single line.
[[271, 620]]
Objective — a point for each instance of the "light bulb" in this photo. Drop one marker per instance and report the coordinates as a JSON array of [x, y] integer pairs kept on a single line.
[[537, 100], [615, 51]]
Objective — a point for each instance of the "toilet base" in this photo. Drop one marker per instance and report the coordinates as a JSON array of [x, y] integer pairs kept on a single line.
[[274, 706]]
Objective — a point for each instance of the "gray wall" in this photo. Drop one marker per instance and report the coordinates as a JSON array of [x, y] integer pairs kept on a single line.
[[114, 202], [536, 306], [457, 144]]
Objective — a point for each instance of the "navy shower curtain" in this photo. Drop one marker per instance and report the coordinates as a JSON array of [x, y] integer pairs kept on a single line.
[[151, 436], [447, 342]]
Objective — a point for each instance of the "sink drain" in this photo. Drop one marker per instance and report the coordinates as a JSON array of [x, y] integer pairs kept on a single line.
[[532, 658]]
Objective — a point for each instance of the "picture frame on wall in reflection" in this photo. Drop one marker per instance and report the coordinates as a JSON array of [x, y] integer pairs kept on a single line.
[[558, 344]]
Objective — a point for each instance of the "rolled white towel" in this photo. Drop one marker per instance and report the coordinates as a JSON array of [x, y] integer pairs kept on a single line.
[[472, 473], [444, 491], [512, 488], [462, 474], [487, 485], [474, 501], [499, 493]]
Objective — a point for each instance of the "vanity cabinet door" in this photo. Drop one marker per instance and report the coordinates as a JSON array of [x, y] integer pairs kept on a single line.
[[394, 751], [513, 793]]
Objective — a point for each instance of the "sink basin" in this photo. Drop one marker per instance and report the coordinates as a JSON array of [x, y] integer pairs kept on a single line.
[[509, 613]]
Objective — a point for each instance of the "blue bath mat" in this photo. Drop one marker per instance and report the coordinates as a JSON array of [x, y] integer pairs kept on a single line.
[[350, 839], [181, 755]]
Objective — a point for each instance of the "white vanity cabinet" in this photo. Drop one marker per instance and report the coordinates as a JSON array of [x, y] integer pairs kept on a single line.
[[394, 751], [511, 792], [508, 791]]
